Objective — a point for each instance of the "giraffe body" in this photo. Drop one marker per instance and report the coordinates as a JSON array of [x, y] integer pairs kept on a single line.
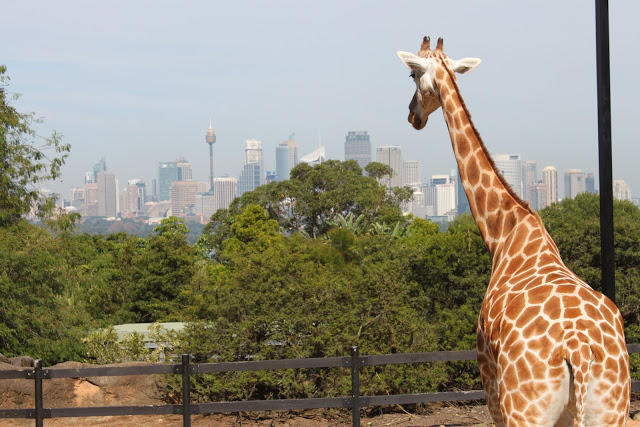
[[550, 348]]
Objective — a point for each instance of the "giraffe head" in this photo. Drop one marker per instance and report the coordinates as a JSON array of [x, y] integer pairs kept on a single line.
[[424, 69]]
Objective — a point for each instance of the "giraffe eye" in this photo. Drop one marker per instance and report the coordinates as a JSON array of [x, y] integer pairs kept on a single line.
[[412, 75]]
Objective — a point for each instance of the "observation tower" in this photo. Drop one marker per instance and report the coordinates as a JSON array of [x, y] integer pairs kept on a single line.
[[211, 139]]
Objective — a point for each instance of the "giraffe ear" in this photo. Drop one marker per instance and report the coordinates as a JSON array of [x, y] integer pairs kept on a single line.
[[411, 61], [464, 65]]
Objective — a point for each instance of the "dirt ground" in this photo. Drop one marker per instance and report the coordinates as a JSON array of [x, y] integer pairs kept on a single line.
[[143, 390]]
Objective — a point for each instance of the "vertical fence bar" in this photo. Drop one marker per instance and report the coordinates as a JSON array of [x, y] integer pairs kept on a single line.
[[604, 150], [355, 386], [186, 392], [37, 376]]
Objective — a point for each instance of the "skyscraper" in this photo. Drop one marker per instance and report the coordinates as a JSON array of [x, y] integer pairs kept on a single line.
[[510, 166], [107, 194], [211, 139], [410, 172], [590, 183], [286, 157], [529, 180], [168, 172], [183, 196], [574, 183], [392, 157], [621, 190], [225, 191], [99, 166], [357, 146], [184, 169], [252, 174], [550, 179]]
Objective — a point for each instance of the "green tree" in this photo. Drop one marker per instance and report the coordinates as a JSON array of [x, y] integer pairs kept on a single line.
[[24, 161], [162, 271]]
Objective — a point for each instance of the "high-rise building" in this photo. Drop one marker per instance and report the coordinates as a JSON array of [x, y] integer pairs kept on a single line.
[[286, 157], [78, 197], [550, 179], [590, 183], [168, 172], [99, 166], [252, 175], [134, 197], [441, 198], [225, 190], [391, 155], [529, 180], [621, 190], [574, 183], [183, 196], [357, 146], [184, 169], [541, 197], [410, 172], [107, 194], [91, 199], [463, 205], [510, 166], [211, 139]]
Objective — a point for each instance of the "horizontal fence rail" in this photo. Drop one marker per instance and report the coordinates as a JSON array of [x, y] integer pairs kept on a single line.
[[355, 361]]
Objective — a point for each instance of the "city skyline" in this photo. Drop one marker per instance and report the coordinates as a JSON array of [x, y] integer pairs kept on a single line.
[[133, 89]]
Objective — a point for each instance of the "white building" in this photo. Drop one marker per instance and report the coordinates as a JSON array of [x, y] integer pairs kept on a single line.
[[510, 166], [621, 190], [391, 155]]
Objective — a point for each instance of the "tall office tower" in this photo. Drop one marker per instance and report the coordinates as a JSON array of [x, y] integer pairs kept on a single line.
[[286, 158], [107, 194], [410, 172], [90, 200], [529, 180], [541, 196], [134, 196], [439, 179], [183, 196], [99, 166], [391, 155], [78, 196], [463, 202], [184, 169], [621, 190], [441, 198], [510, 166], [357, 146], [211, 139], [550, 179], [269, 176], [590, 183], [252, 175], [168, 172], [89, 177], [225, 190], [574, 183]]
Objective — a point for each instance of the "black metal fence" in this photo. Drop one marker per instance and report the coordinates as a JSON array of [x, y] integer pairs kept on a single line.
[[355, 402]]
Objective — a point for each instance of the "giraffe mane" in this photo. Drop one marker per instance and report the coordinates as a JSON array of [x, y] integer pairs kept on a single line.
[[504, 182]]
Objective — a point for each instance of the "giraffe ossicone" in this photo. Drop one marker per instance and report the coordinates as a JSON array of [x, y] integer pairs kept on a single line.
[[550, 348]]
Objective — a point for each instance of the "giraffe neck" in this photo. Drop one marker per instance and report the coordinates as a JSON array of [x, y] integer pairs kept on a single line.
[[494, 205]]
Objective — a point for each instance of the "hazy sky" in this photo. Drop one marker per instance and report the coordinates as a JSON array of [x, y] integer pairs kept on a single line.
[[136, 82]]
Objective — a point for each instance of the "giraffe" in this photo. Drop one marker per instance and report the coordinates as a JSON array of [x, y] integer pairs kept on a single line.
[[550, 348]]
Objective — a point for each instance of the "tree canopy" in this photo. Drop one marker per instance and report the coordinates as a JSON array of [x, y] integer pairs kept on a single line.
[[24, 158]]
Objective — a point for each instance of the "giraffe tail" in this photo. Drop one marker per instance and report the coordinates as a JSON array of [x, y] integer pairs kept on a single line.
[[579, 356]]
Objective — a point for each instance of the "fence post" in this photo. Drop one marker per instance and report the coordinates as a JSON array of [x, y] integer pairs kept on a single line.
[[186, 392], [355, 386], [37, 376]]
